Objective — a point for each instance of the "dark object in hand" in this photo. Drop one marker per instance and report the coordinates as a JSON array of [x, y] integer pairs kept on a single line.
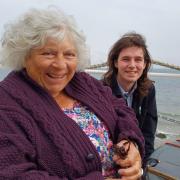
[[122, 151]]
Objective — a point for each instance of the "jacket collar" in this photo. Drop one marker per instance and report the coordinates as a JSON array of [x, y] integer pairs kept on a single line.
[[115, 87], [137, 101]]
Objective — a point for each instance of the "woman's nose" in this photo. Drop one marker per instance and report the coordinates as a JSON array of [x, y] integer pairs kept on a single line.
[[132, 63], [59, 62]]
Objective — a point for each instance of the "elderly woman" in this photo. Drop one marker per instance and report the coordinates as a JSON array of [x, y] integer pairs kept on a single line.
[[55, 121]]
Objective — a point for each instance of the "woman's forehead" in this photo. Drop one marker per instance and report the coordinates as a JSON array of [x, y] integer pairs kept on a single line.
[[54, 42]]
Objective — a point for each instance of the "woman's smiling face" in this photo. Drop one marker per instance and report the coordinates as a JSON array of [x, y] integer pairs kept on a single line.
[[130, 65], [53, 65]]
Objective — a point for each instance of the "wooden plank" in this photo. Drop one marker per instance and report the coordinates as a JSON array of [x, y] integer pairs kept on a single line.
[[158, 173]]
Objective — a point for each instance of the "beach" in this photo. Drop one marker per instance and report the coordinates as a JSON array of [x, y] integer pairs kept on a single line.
[[166, 131], [168, 106]]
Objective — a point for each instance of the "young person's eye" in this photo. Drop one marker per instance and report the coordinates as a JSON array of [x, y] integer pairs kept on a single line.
[[138, 59], [125, 59]]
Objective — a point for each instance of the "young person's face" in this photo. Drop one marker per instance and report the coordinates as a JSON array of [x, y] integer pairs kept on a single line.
[[130, 65]]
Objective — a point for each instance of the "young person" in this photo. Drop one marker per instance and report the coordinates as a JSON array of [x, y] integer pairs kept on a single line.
[[128, 64]]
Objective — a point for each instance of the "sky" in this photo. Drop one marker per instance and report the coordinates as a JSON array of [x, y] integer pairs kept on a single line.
[[105, 21]]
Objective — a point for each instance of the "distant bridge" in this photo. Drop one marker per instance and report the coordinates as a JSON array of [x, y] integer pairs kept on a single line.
[[153, 62]]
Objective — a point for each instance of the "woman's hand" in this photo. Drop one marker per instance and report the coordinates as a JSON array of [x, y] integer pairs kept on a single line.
[[130, 167]]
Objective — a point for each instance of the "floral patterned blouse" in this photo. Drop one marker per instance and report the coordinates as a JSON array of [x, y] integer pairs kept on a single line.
[[97, 133]]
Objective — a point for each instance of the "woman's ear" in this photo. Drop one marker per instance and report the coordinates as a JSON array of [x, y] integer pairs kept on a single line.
[[26, 59], [25, 62], [144, 65], [116, 64]]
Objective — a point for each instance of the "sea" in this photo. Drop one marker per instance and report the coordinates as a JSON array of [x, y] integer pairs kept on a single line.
[[168, 103]]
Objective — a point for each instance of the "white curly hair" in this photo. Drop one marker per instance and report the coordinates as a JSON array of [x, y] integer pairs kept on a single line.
[[32, 30]]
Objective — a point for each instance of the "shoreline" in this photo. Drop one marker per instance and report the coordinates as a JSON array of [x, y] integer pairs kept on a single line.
[[166, 131]]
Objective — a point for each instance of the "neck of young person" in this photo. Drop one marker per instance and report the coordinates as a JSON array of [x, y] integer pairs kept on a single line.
[[127, 86]]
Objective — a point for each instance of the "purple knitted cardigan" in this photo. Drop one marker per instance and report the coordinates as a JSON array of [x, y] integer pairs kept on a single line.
[[39, 142]]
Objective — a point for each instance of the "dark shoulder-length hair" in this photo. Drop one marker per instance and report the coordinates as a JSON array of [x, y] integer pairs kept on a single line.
[[129, 40]]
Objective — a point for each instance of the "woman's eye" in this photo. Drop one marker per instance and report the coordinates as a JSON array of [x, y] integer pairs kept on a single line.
[[70, 55], [48, 54], [139, 60], [125, 59]]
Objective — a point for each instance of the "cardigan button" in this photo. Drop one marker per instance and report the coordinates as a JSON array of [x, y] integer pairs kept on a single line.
[[90, 157]]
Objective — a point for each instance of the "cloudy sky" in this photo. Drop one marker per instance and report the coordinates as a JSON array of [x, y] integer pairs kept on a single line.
[[104, 21]]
